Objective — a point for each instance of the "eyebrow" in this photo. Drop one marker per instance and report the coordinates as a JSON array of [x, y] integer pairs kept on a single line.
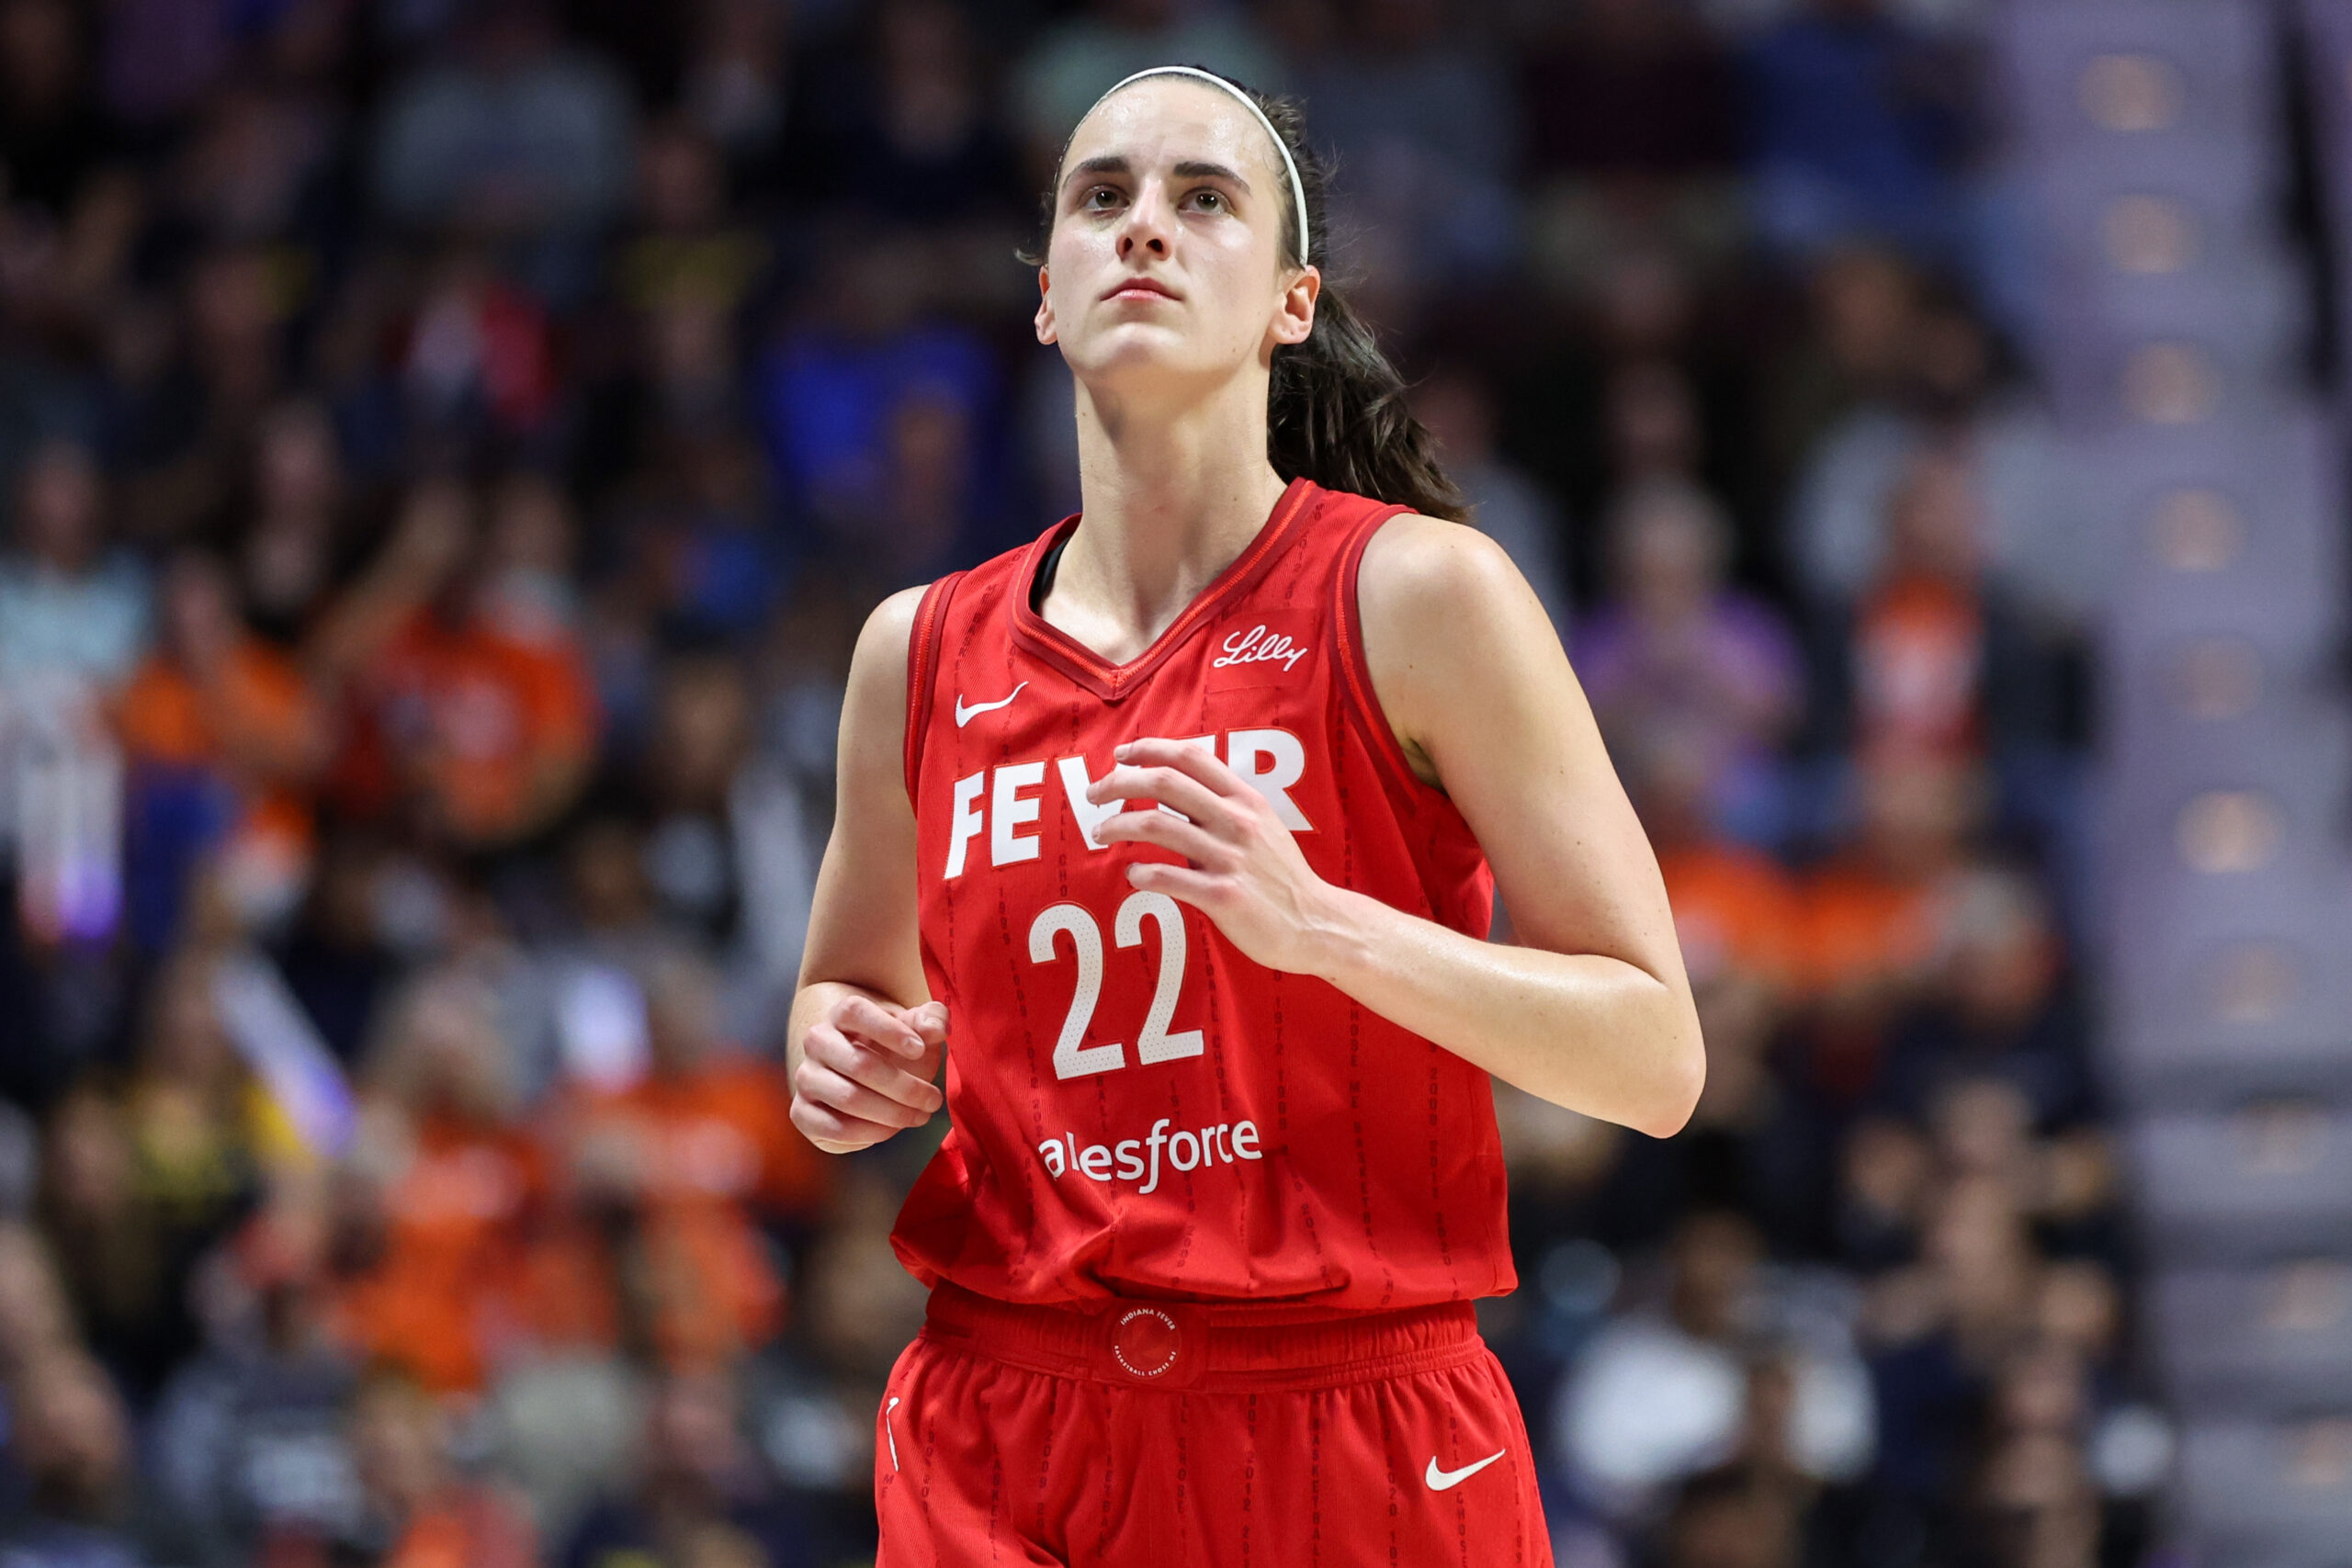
[[1191, 169]]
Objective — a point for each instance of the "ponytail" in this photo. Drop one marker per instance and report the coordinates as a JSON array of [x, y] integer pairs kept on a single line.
[[1336, 411]]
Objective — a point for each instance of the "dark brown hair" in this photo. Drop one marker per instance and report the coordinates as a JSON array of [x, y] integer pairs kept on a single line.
[[1335, 411]]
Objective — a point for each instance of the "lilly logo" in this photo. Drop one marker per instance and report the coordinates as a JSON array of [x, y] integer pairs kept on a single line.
[[1257, 647]]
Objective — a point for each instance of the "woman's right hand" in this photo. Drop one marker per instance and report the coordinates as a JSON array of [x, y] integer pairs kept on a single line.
[[866, 1072]]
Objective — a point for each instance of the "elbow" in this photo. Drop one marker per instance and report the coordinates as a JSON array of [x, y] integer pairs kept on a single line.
[[1678, 1088]]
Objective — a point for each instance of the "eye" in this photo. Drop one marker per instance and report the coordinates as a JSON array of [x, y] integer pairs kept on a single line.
[[1212, 201], [1098, 199]]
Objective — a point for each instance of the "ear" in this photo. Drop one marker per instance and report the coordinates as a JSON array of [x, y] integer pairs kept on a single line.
[[1294, 311], [1047, 332]]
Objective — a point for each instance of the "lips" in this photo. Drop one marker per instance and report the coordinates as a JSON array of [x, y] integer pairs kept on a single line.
[[1137, 287]]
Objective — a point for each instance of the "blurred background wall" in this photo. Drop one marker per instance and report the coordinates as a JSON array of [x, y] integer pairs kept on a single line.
[[448, 448]]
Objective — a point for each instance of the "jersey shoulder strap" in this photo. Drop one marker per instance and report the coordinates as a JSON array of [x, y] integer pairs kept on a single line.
[[1356, 668], [923, 670]]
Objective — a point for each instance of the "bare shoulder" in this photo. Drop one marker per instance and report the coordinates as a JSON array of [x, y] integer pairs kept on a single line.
[[1420, 570], [885, 643], [874, 710], [1442, 602]]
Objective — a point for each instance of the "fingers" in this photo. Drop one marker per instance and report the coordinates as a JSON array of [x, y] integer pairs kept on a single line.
[[1177, 791], [1181, 882], [1198, 762], [929, 1020], [1158, 828], [831, 1051], [821, 1086], [834, 1133], [886, 1026]]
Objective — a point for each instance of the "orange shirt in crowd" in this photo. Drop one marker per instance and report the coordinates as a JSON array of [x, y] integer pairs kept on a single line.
[[1918, 662], [712, 1149], [1861, 929], [1734, 908], [473, 717], [260, 722], [1865, 936], [470, 1529], [457, 1243], [722, 1134]]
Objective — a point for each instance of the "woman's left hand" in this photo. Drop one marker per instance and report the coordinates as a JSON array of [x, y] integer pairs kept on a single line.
[[1242, 867]]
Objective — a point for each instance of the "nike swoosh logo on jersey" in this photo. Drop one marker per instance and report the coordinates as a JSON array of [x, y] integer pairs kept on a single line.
[[1447, 1479], [965, 715]]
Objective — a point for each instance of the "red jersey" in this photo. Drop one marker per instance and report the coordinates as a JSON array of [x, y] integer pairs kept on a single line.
[[1138, 1109]]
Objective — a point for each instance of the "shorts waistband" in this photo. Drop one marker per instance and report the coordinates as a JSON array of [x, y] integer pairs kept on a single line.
[[1191, 1345]]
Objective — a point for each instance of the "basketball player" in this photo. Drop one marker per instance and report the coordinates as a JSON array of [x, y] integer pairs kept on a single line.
[[1172, 831]]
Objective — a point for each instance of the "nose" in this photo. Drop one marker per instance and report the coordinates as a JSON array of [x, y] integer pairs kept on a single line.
[[1149, 223]]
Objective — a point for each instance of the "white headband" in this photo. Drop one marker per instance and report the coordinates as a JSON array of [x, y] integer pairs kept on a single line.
[[1298, 189]]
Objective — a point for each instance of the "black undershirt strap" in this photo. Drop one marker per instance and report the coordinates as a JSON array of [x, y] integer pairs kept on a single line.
[[1046, 569]]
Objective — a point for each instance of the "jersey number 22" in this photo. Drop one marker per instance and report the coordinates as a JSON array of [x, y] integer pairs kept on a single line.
[[1073, 1057]]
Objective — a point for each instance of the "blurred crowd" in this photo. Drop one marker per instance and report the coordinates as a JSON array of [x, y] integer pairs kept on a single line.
[[447, 449]]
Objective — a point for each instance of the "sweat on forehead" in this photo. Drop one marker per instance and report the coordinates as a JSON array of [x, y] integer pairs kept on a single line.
[[1210, 82]]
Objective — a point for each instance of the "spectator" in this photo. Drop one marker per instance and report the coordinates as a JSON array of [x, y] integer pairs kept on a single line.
[[2003, 1008], [1073, 63], [255, 161], [74, 613], [446, 152], [454, 1186], [142, 1181], [703, 1497], [52, 137], [697, 1155], [419, 1512], [1874, 911], [484, 737], [1676, 654], [1854, 129], [1729, 1518], [1936, 1331], [1943, 659], [1659, 1394], [1861, 304], [222, 736], [879, 420], [292, 537], [1629, 136], [689, 251], [84, 1507], [480, 368], [1420, 115], [335, 959], [1942, 401], [36, 1317], [250, 1438], [183, 435], [735, 85], [1458, 407], [904, 125]]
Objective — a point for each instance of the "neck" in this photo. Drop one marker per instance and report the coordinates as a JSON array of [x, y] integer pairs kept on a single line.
[[1171, 498]]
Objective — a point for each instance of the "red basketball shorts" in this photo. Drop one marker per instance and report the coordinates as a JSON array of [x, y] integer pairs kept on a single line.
[[1160, 1435]]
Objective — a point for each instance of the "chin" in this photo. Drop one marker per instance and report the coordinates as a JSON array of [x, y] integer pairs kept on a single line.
[[1136, 348]]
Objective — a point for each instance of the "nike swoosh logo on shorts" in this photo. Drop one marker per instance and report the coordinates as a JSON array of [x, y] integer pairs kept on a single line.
[[1447, 1479], [965, 715]]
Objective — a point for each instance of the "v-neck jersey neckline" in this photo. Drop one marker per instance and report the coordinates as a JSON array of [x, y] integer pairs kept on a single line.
[[1110, 681]]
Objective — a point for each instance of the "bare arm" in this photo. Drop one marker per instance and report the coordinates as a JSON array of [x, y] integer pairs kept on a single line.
[[864, 1041], [1595, 1012]]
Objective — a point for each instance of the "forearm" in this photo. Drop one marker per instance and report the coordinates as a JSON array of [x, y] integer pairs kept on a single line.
[[1590, 1032]]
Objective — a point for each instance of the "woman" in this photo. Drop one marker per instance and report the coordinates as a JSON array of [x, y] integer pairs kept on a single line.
[[1223, 1177]]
